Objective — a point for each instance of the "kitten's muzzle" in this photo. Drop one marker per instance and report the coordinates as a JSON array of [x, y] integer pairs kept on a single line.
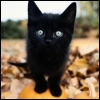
[[48, 41]]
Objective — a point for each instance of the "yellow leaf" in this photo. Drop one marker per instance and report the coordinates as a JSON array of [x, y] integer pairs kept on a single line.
[[15, 70], [5, 94], [79, 65]]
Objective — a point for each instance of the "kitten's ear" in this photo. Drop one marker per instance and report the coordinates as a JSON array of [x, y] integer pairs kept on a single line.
[[69, 14], [33, 10]]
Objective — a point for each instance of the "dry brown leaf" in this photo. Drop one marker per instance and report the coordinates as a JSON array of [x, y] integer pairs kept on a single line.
[[95, 74], [9, 75], [5, 94], [26, 81], [86, 50], [83, 83], [92, 69], [7, 82], [22, 60], [15, 70], [10, 72], [5, 71], [66, 75], [65, 78], [16, 86], [6, 79], [16, 58], [12, 96], [72, 91], [96, 56], [22, 70], [74, 51], [83, 71], [21, 75], [91, 79], [6, 87], [79, 65], [3, 56], [74, 82], [71, 58]]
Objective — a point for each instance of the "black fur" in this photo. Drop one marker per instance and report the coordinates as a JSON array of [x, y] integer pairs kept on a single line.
[[47, 55]]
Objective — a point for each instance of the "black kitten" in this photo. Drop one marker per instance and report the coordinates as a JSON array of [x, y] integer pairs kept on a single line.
[[48, 40]]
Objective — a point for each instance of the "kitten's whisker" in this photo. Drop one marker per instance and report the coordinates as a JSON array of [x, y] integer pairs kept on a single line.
[[34, 46], [36, 56], [60, 51]]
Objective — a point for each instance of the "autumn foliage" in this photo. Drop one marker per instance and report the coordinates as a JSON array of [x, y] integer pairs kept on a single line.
[[83, 64]]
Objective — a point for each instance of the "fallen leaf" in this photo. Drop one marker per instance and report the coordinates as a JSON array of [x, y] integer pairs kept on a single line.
[[87, 50], [83, 71], [5, 94], [16, 58], [91, 79], [6, 87], [96, 56], [9, 75], [26, 81], [72, 91], [16, 86], [12, 96], [95, 74], [74, 82], [6, 79], [65, 78], [15, 70], [5, 71], [79, 65]]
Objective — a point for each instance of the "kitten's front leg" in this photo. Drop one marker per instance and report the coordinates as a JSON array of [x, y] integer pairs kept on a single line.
[[41, 84], [54, 84]]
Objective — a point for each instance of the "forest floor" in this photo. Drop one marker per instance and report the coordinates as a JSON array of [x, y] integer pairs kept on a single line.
[[83, 64]]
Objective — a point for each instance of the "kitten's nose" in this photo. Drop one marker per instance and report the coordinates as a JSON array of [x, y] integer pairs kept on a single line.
[[48, 41]]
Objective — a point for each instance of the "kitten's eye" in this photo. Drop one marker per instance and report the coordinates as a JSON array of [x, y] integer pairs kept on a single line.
[[59, 34], [40, 33]]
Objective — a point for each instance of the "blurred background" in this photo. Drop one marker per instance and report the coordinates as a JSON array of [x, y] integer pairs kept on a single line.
[[14, 17]]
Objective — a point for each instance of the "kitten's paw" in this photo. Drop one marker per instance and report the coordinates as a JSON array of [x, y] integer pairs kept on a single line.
[[40, 88], [55, 90]]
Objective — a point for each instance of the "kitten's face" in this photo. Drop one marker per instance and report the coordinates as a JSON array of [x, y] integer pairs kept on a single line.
[[50, 30]]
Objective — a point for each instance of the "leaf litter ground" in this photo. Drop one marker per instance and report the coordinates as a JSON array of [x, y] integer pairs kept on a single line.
[[83, 64]]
